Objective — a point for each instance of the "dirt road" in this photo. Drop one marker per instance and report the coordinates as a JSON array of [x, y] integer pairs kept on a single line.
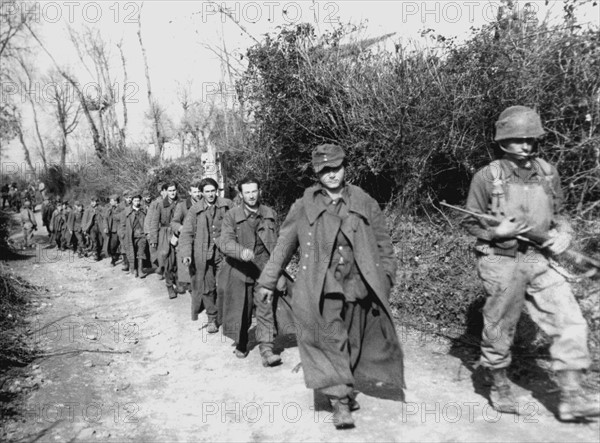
[[122, 362]]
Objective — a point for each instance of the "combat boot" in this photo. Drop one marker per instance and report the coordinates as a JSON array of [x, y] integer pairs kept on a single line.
[[342, 417], [501, 396], [125, 267], [142, 273], [269, 359], [171, 291], [575, 404]]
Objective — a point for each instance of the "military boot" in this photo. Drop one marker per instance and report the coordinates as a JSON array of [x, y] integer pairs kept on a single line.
[[171, 291], [269, 359], [342, 417], [125, 267], [142, 272], [501, 396], [575, 403]]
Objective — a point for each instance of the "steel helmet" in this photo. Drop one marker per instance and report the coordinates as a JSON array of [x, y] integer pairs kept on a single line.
[[518, 122]]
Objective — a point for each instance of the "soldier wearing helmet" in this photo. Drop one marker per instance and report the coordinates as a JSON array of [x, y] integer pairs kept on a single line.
[[524, 192]]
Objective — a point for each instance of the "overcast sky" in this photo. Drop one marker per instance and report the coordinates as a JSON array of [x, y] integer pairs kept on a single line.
[[179, 36]]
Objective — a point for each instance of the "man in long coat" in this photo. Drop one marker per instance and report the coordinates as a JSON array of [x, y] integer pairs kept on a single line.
[[111, 229], [340, 299], [134, 239], [181, 210], [248, 236], [198, 238], [120, 214], [74, 225], [92, 227], [152, 208], [58, 223], [161, 237]]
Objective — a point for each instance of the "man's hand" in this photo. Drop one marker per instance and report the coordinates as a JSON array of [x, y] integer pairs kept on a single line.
[[265, 295], [106, 231], [187, 261], [247, 255], [510, 228], [154, 245], [174, 240], [558, 242]]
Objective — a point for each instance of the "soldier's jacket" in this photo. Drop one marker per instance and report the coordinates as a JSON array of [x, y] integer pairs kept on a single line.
[[152, 207], [74, 222], [161, 220], [111, 219], [127, 226], [91, 216]]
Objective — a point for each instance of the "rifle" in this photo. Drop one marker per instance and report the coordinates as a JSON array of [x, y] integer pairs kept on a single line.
[[536, 239]]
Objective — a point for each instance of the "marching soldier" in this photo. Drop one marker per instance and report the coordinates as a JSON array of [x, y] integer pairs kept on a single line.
[[111, 229], [28, 224], [92, 227], [198, 240], [120, 214], [340, 298], [248, 236], [135, 243], [161, 238], [152, 208], [74, 225], [181, 210]]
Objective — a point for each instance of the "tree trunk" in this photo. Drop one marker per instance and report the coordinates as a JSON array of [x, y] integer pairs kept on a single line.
[[156, 134]]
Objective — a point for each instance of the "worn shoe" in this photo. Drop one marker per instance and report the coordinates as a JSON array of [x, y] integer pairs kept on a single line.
[[171, 291], [212, 327], [342, 417], [575, 404], [501, 396], [240, 354], [136, 273], [354, 406], [181, 289], [269, 359]]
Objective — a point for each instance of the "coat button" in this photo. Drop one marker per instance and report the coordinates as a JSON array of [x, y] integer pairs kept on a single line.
[[306, 255], [310, 233], [307, 243], [304, 267]]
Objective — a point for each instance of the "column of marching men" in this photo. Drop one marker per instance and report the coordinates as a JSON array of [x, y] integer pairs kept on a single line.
[[232, 259]]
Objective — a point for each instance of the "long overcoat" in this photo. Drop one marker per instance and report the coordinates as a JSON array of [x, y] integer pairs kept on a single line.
[[160, 229], [181, 210], [236, 235], [309, 227], [194, 242], [110, 222], [127, 218]]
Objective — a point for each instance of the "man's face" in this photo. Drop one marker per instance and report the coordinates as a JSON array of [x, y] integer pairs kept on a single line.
[[250, 194], [128, 200], [209, 192], [147, 199], [332, 178], [194, 193], [163, 193], [172, 192], [113, 202], [136, 202], [93, 203], [518, 148]]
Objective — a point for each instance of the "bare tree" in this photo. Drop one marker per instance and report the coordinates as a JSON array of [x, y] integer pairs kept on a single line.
[[13, 20], [124, 95], [65, 111], [18, 125], [27, 69], [155, 109], [86, 105]]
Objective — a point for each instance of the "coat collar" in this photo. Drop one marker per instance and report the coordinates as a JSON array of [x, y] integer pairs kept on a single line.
[[130, 209], [166, 202], [357, 202], [219, 203], [239, 214]]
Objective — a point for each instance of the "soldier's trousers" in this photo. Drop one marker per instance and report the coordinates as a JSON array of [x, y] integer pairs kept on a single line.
[[170, 264], [265, 321], [528, 280], [95, 245], [27, 237], [112, 244], [209, 294], [80, 246]]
